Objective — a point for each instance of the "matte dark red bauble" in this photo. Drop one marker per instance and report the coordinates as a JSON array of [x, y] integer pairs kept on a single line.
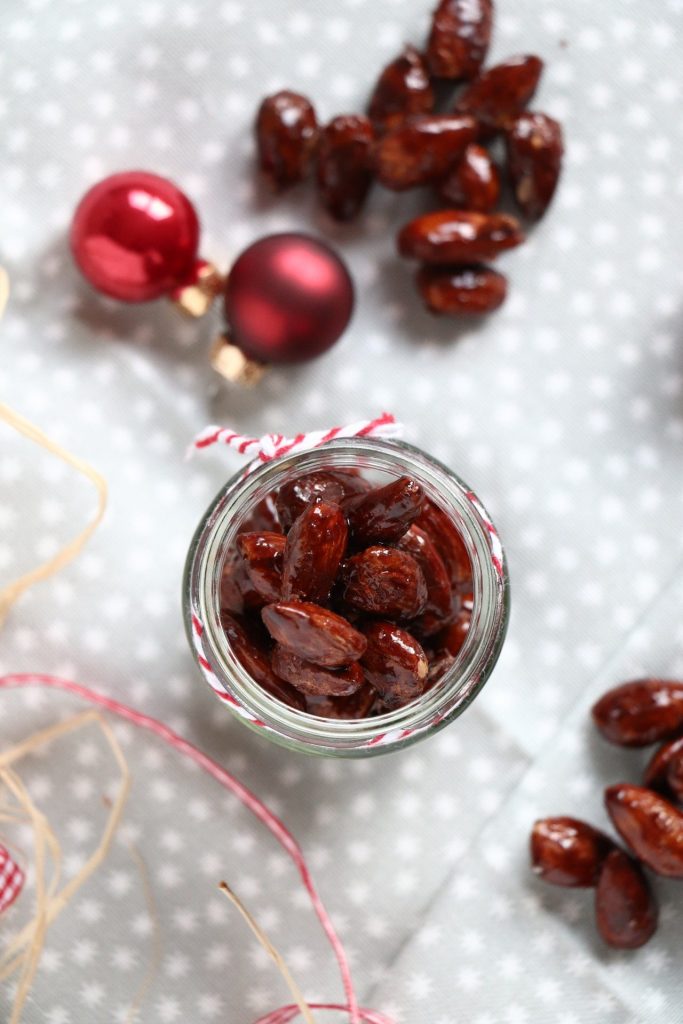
[[288, 298], [135, 236]]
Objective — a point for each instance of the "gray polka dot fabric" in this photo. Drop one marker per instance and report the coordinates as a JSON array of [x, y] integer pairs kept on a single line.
[[563, 411]]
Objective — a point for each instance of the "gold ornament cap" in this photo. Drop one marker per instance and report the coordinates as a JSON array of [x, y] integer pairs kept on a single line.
[[231, 362], [196, 298]]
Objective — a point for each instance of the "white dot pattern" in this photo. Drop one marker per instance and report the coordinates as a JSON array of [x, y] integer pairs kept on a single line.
[[563, 411]]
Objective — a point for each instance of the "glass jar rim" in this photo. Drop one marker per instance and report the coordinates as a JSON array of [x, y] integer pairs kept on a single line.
[[348, 737]]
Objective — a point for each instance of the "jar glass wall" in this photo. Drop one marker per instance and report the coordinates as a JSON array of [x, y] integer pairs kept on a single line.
[[381, 461]]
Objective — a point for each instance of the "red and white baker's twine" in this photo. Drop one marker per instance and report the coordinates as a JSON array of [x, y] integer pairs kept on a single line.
[[357, 1014], [12, 879], [496, 547], [212, 679], [275, 446]]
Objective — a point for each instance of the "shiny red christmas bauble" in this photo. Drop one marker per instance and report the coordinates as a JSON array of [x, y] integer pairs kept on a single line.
[[135, 236], [288, 298]]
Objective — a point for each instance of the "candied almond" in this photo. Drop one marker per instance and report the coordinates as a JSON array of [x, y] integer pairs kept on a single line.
[[395, 663], [534, 151], [313, 552], [640, 712], [403, 89], [314, 680], [470, 289], [625, 907], [422, 149], [345, 167], [458, 236], [286, 136], [385, 581], [567, 851], [459, 37], [314, 633]]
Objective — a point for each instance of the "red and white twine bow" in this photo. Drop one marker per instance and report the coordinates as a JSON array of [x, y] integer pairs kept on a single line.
[[12, 879], [275, 446]]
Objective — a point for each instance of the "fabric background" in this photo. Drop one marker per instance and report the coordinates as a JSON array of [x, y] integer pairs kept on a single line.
[[564, 411]]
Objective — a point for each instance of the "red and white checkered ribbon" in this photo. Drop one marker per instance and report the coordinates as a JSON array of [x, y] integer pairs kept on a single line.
[[12, 879], [275, 446]]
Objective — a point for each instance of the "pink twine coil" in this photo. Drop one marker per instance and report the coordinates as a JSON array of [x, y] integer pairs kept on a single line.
[[262, 450], [276, 827]]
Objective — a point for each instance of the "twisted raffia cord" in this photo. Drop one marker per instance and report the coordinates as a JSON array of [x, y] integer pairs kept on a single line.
[[153, 966], [273, 953], [274, 825], [273, 446], [44, 843], [23, 952], [14, 590], [288, 1013]]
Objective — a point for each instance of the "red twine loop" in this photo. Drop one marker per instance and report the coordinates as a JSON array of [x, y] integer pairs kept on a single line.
[[285, 1014]]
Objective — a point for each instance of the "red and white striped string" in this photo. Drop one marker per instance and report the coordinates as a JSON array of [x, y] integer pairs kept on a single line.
[[356, 1014], [211, 677], [497, 556], [275, 446]]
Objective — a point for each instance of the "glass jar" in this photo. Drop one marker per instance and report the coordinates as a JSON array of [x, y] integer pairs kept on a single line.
[[381, 461]]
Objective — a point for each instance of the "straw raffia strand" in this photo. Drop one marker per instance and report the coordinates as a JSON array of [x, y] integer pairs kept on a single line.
[[13, 591], [22, 953]]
